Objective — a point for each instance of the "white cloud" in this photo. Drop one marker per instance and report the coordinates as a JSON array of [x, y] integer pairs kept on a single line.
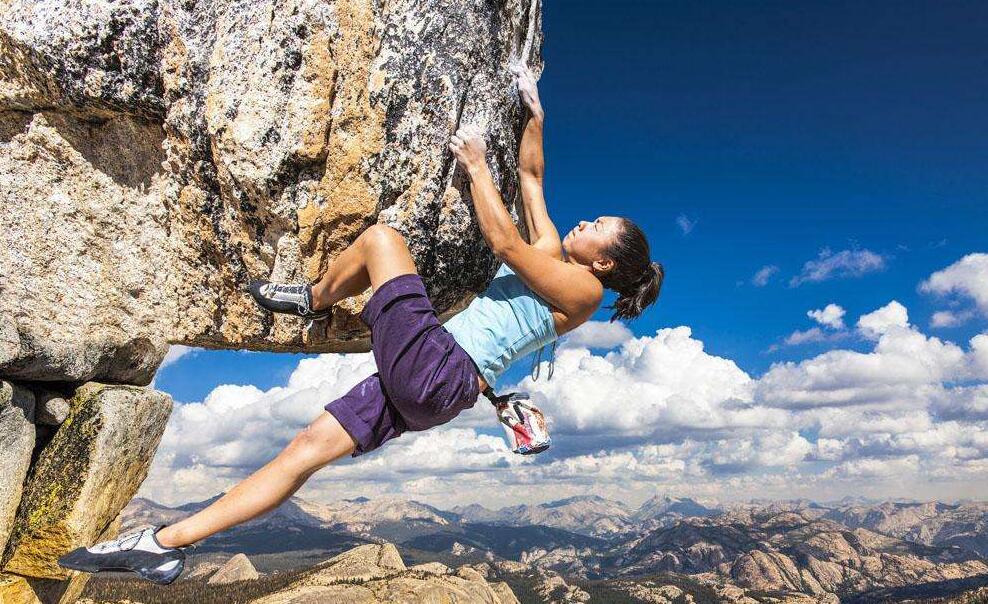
[[968, 277], [651, 412], [891, 316], [869, 468], [598, 334], [831, 316], [814, 334], [764, 275], [947, 318], [175, 352], [686, 224], [839, 265], [901, 371]]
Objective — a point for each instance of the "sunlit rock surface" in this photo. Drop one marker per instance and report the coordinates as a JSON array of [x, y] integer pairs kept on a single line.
[[157, 156]]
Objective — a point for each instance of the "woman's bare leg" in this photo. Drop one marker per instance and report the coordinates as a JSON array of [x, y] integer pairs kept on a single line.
[[378, 255], [323, 441]]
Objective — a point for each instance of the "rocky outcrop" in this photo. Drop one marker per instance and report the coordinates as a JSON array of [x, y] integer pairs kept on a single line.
[[793, 552], [87, 473], [932, 523], [376, 573], [237, 568], [17, 435], [157, 155]]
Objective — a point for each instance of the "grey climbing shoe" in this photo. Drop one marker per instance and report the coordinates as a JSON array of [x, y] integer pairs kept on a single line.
[[137, 552], [292, 299]]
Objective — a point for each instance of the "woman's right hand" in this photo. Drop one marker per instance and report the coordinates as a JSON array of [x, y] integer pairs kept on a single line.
[[528, 89], [469, 148]]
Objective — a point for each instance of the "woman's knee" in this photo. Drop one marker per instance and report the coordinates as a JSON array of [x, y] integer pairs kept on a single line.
[[317, 444], [381, 236], [301, 453]]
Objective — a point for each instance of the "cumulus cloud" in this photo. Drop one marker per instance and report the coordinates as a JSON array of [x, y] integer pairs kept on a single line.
[[598, 334], [891, 316], [632, 414], [968, 278], [831, 316], [764, 275], [839, 265]]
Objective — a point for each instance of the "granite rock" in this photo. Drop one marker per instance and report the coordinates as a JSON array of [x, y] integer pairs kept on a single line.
[[16, 444], [85, 476], [237, 568], [155, 156]]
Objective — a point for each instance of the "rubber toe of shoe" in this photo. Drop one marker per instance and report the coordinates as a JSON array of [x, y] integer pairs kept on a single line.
[[77, 559]]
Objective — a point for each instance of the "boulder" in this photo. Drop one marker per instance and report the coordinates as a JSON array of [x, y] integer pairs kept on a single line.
[[88, 472], [51, 408], [157, 155], [81, 239], [16, 445], [237, 568], [435, 568], [360, 563], [15, 589], [376, 573], [504, 593]]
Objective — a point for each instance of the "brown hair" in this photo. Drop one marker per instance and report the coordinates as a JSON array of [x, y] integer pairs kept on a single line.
[[635, 278]]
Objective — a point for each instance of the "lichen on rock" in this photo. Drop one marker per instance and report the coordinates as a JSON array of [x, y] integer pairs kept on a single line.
[[85, 475]]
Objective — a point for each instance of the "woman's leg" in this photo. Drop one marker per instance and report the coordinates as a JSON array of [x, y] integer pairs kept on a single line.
[[322, 442], [378, 255]]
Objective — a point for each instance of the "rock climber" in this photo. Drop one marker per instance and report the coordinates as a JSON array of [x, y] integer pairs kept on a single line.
[[427, 372]]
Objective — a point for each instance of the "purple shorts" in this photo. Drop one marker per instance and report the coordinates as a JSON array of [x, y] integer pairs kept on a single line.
[[423, 377]]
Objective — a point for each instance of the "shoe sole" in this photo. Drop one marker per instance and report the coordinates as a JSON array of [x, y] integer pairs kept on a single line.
[[121, 569]]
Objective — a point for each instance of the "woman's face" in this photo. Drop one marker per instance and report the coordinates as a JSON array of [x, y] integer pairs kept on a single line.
[[589, 241]]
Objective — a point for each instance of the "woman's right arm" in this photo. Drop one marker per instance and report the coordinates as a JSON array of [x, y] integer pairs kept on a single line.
[[574, 291], [531, 168]]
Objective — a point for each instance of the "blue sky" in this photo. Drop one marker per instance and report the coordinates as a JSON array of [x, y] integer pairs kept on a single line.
[[740, 136]]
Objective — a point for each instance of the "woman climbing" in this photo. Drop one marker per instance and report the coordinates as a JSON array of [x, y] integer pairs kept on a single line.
[[427, 373]]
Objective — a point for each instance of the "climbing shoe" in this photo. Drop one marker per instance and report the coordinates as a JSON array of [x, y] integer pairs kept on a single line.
[[137, 552], [292, 299]]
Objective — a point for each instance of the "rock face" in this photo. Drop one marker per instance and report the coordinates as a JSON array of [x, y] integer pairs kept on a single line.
[[157, 155], [16, 443], [85, 475], [237, 568], [377, 574]]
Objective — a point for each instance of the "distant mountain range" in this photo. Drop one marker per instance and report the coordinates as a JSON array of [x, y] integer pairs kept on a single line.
[[792, 549]]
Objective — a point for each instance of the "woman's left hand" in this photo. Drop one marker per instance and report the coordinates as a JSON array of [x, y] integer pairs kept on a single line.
[[528, 89], [470, 149]]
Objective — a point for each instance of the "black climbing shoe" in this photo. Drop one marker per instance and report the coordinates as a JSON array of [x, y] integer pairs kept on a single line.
[[292, 299], [137, 552]]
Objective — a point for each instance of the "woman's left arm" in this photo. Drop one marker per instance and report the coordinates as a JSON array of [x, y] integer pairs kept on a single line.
[[531, 167], [575, 292]]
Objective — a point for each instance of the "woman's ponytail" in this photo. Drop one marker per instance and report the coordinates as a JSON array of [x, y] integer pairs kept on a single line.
[[636, 279]]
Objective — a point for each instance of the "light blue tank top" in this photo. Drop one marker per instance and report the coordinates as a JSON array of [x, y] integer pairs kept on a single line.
[[503, 324]]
